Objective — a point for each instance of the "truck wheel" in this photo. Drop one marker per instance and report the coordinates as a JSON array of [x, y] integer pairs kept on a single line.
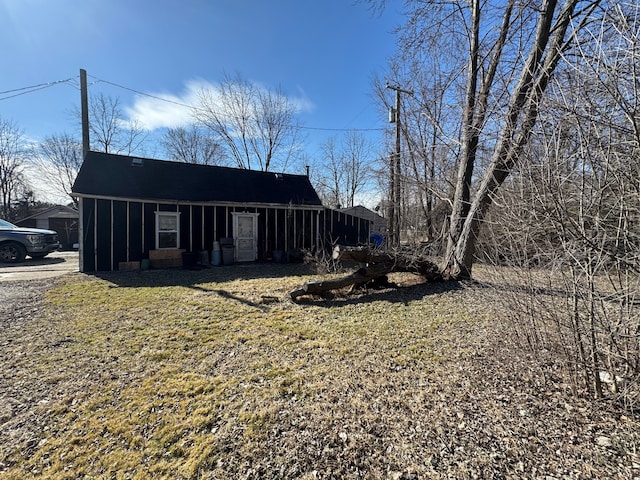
[[12, 252]]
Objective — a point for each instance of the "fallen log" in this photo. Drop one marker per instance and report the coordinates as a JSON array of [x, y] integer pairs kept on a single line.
[[378, 263], [362, 275], [413, 261]]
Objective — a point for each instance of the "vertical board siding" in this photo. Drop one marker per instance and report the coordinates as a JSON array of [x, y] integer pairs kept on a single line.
[[208, 227], [149, 210], [340, 227], [262, 233], [196, 229], [135, 232], [277, 231], [221, 222], [185, 226], [88, 227], [270, 229], [119, 233], [103, 235]]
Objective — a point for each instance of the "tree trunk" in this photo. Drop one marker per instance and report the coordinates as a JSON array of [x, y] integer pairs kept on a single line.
[[520, 119], [412, 261], [378, 264], [469, 141], [362, 275]]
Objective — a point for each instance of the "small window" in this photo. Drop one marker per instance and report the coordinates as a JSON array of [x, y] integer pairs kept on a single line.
[[167, 230]]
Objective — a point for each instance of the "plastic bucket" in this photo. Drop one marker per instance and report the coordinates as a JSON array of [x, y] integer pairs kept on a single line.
[[216, 257]]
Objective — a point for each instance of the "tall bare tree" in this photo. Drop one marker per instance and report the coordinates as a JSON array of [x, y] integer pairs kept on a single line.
[[512, 50], [58, 159], [347, 168], [328, 180], [192, 145], [430, 125], [12, 163], [257, 126], [109, 131]]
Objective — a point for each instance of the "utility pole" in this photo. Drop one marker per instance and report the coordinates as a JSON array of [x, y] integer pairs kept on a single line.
[[395, 194], [84, 108]]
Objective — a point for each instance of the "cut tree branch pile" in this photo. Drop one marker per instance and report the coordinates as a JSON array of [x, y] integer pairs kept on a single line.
[[377, 264]]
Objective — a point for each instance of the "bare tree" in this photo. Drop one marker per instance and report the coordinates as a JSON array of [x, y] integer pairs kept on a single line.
[[257, 127], [357, 160], [568, 219], [430, 125], [511, 52], [12, 162], [546, 48], [110, 132], [329, 179], [347, 168], [192, 145], [58, 159]]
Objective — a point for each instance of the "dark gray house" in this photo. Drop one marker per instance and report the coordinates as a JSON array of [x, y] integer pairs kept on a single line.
[[132, 209]]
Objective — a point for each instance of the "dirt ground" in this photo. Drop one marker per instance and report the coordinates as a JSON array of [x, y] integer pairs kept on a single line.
[[345, 406]]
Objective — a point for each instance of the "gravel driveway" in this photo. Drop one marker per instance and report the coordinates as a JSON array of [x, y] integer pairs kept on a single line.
[[53, 265], [22, 287], [20, 300], [23, 284]]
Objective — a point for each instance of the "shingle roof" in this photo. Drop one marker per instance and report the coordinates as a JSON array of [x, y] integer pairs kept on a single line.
[[121, 176], [57, 211]]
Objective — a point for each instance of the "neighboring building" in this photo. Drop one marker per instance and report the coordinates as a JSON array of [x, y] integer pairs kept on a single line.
[[378, 222], [132, 209], [62, 219]]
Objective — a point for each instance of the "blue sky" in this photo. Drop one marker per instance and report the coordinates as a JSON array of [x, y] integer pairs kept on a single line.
[[323, 52]]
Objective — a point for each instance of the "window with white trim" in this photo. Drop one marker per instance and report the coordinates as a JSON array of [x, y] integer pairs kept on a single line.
[[167, 230]]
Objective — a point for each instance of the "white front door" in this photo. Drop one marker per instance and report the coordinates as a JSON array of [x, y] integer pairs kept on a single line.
[[245, 233]]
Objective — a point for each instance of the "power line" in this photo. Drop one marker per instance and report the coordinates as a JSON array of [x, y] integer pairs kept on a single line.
[[73, 81], [155, 97], [32, 88], [191, 107]]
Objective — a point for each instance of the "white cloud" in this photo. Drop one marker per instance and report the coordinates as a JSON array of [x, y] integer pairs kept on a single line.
[[167, 110], [302, 102]]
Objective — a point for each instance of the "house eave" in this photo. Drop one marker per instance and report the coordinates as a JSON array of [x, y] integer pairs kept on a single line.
[[164, 201]]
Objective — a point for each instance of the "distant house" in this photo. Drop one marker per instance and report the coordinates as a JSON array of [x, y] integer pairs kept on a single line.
[[132, 209], [60, 218], [378, 222]]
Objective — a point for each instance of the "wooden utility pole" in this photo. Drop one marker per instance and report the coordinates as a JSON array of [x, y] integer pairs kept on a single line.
[[84, 108], [395, 193]]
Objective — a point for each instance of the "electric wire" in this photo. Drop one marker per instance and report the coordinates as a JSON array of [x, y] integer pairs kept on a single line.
[[32, 88], [73, 81], [155, 97], [191, 107]]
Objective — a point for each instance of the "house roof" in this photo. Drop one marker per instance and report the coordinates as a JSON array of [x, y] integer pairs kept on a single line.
[[57, 211], [378, 223], [363, 212], [108, 175]]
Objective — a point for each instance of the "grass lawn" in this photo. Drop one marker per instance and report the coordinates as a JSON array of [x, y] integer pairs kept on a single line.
[[214, 374]]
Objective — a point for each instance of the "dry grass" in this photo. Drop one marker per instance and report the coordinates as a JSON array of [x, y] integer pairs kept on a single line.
[[213, 374]]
